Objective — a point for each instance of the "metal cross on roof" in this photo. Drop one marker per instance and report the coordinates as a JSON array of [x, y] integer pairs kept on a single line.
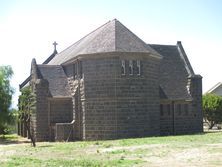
[[55, 45]]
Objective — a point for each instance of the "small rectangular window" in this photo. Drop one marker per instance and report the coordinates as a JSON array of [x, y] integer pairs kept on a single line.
[[179, 109], [130, 67], [161, 110], [168, 109], [138, 65], [123, 67], [186, 109]]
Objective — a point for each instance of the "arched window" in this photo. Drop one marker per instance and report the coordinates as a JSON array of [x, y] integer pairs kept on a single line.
[[123, 67], [131, 67], [138, 66]]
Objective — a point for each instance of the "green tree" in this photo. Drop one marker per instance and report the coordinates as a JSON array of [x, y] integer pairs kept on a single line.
[[6, 92], [212, 108], [27, 101]]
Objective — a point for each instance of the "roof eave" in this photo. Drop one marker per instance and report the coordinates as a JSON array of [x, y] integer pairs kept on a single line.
[[178, 99], [59, 97], [112, 53]]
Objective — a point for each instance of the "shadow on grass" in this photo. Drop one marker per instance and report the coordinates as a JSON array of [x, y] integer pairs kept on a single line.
[[44, 146], [12, 139]]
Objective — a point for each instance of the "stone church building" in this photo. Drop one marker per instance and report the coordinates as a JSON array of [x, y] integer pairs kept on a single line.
[[110, 84]]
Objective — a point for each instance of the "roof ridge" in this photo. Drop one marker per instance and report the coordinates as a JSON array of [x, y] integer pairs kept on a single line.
[[115, 36], [48, 65], [151, 50], [85, 36], [185, 59]]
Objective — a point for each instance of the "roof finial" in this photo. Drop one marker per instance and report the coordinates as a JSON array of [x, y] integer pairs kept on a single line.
[[55, 45]]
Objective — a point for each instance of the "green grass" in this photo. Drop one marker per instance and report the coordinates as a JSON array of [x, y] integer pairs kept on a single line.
[[66, 163], [193, 150]]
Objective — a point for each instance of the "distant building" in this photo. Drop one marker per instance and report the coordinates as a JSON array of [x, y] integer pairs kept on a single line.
[[110, 84], [216, 89]]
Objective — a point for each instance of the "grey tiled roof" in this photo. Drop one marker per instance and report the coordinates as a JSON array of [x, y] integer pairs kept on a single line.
[[173, 72], [111, 37], [54, 74]]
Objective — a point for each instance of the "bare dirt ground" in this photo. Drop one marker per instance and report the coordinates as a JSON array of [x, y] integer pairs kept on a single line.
[[177, 158]]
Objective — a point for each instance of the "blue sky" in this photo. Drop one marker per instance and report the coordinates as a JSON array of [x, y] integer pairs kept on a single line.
[[28, 29]]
